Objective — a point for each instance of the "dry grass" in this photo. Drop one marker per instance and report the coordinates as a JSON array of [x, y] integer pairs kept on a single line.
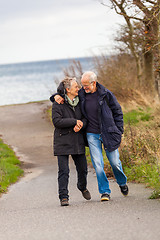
[[117, 73]]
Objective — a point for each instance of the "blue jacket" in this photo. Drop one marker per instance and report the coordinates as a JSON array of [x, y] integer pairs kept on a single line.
[[110, 117]]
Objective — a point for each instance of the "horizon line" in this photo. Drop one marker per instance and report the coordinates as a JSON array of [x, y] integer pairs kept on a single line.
[[45, 60]]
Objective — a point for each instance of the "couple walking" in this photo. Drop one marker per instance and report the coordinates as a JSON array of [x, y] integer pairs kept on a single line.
[[92, 110]]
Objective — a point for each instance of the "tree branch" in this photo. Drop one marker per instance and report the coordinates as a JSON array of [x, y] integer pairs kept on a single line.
[[141, 6], [115, 4], [152, 47], [152, 2], [104, 4]]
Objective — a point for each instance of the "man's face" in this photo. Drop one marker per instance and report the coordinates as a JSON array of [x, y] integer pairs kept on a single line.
[[88, 86]]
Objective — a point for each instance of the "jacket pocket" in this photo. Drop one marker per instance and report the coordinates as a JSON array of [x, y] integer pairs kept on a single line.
[[114, 134], [113, 129], [64, 132]]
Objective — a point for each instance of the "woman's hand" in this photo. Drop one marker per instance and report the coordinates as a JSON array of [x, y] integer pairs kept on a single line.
[[76, 129], [78, 126]]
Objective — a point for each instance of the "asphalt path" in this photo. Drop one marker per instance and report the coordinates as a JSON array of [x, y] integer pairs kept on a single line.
[[30, 210]]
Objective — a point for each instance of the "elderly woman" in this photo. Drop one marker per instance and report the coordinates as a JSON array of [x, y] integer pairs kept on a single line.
[[69, 138]]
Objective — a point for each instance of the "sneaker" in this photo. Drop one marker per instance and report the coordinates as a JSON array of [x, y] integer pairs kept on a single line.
[[64, 202], [86, 194], [105, 197], [124, 190]]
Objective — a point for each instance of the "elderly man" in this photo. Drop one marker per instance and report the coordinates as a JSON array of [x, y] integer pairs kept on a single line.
[[105, 126]]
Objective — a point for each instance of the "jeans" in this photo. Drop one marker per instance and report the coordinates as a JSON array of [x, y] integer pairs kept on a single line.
[[95, 147], [63, 173]]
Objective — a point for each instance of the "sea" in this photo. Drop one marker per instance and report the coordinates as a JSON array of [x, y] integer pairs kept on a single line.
[[34, 81]]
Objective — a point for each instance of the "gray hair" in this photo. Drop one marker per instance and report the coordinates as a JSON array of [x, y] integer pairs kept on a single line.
[[91, 75], [67, 82]]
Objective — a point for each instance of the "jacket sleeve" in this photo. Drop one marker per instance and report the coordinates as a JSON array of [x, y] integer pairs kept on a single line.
[[52, 97], [58, 120], [84, 120], [60, 91], [116, 111]]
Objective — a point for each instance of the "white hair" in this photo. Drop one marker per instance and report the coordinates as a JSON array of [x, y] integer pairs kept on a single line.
[[91, 75], [67, 82]]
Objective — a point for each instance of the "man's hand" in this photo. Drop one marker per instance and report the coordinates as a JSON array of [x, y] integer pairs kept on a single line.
[[59, 99]]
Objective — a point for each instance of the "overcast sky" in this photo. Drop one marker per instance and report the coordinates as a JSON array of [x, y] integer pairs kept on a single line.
[[33, 30]]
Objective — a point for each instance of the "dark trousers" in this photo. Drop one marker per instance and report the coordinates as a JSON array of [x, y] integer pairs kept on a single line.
[[63, 173]]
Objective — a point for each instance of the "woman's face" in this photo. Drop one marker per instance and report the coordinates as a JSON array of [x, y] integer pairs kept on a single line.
[[73, 90]]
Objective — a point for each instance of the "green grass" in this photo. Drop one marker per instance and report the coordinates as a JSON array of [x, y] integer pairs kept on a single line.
[[156, 193], [140, 149], [9, 167], [145, 173], [135, 116], [49, 112]]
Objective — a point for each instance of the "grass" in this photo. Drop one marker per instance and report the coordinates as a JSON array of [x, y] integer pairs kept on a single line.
[[140, 149], [49, 113], [10, 170], [135, 116]]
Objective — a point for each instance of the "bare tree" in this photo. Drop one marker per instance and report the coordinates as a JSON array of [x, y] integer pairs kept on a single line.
[[148, 13], [123, 39]]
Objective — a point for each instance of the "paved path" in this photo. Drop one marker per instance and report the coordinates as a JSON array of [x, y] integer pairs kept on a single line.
[[31, 211]]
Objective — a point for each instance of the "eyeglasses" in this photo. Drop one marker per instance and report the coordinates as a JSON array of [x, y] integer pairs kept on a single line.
[[84, 86]]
